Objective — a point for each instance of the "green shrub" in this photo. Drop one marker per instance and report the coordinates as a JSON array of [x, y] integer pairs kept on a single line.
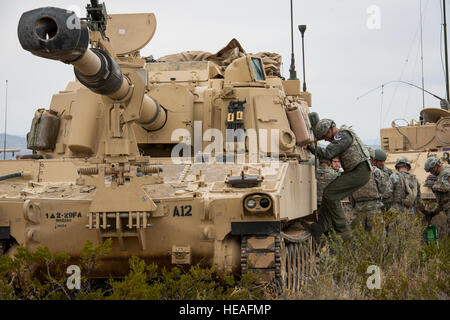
[[409, 268], [41, 275], [143, 282]]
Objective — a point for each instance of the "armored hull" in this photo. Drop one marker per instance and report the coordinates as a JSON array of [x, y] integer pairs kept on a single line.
[[199, 219]]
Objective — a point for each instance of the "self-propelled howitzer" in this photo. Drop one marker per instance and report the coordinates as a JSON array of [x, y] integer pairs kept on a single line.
[[103, 164]]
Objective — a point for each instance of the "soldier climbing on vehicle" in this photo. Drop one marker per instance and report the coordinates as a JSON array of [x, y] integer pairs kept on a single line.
[[345, 144]]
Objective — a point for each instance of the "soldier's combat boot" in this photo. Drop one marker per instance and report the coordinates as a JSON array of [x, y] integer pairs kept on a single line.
[[314, 229]]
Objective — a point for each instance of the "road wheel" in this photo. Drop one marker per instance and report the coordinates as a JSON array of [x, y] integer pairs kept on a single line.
[[307, 246], [284, 266], [298, 267], [293, 269]]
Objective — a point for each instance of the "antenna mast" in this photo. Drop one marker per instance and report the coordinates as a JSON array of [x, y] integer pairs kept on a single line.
[[302, 29], [292, 72], [421, 57], [446, 53]]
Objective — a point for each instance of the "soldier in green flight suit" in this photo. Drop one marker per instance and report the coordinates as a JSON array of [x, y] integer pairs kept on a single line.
[[345, 144]]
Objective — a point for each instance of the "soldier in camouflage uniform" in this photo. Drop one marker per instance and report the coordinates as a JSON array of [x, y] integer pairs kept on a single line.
[[325, 174], [345, 144], [378, 160], [378, 157], [441, 188], [367, 201], [404, 189], [372, 155], [336, 164]]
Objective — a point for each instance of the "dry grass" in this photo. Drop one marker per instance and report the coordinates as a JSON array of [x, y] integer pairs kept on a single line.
[[410, 268]]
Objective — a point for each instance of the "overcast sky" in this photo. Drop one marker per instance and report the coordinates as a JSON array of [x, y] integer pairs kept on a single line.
[[349, 51]]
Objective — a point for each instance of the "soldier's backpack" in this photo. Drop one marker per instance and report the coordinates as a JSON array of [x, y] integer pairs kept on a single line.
[[410, 190]]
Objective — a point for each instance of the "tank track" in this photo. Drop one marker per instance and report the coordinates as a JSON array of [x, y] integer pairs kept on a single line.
[[273, 269], [271, 265]]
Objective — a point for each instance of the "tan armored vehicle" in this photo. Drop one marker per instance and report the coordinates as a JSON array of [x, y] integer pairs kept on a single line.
[[418, 140], [178, 162]]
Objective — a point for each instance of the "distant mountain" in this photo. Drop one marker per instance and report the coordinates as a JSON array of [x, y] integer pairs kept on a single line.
[[13, 142], [374, 143]]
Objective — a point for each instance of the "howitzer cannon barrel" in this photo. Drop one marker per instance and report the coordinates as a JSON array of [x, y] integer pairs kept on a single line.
[[58, 34]]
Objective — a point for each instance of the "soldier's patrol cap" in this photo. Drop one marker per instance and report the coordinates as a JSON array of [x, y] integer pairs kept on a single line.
[[403, 162], [380, 155], [431, 162], [322, 127]]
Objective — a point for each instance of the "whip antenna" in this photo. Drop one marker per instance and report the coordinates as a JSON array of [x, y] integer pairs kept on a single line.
[[292, 72]]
